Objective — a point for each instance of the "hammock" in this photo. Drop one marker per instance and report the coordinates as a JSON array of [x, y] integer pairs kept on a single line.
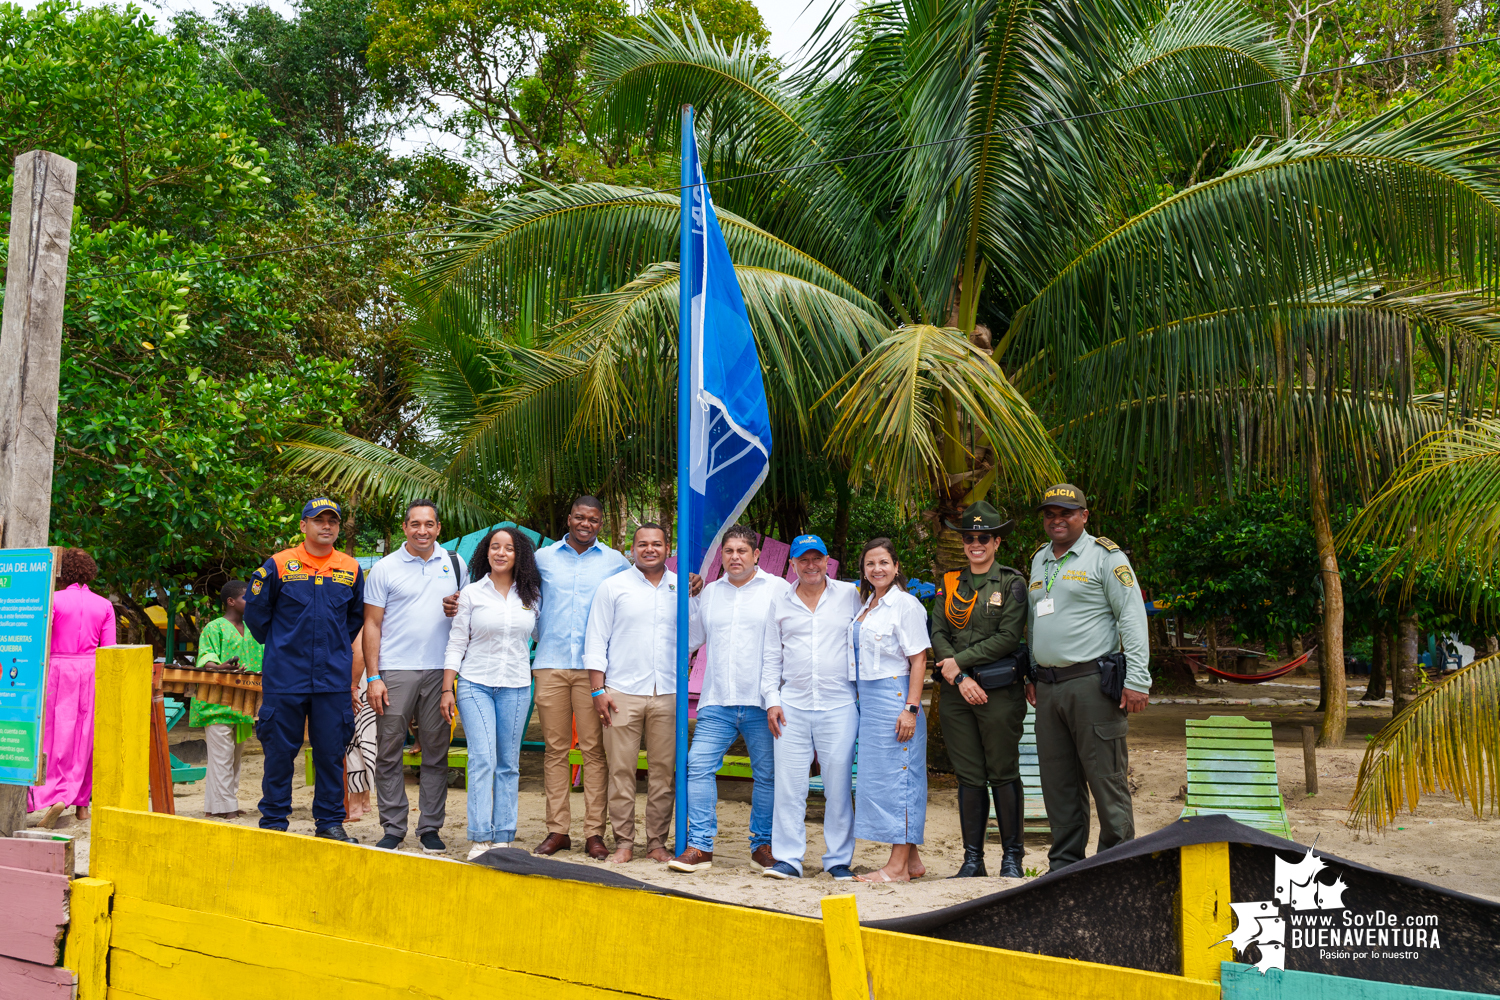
[[1269, 675]]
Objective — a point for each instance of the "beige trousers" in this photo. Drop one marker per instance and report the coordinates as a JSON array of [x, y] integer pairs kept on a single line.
[[653, 716], [562, 699], [221, 785]]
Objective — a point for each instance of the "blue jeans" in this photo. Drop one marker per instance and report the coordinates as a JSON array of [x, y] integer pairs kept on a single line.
[[717, 727], [494, 718]]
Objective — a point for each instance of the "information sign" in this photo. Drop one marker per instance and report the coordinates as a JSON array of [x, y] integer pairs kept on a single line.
[[26, 577]]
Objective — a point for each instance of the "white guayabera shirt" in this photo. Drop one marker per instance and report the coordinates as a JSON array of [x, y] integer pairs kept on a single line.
[[732, 622], [632, 633]]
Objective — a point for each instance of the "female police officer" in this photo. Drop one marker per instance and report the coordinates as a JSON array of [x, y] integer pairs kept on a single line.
[[977, 627]]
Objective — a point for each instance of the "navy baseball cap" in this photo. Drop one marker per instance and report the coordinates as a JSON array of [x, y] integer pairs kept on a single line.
[[807, 543], [318, 505]]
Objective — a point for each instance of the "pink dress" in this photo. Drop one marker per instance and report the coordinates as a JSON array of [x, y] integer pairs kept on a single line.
[[82, 621]]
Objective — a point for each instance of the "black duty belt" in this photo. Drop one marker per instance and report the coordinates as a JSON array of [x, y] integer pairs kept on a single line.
[[1056, 675]]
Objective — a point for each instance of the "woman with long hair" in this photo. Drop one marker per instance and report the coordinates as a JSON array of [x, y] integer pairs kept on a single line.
[[888, 661], [82, 621], [489, 653]]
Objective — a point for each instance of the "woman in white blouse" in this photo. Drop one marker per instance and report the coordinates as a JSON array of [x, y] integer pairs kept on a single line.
[[888, 660], [489, 652]]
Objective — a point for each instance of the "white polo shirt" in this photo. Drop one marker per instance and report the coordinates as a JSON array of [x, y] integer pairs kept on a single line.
[[414, 632]]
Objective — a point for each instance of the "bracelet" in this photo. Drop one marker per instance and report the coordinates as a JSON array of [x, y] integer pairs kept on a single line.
[[372, 677], [595, 694]]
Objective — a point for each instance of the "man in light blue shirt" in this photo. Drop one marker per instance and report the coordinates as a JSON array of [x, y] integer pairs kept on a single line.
[[572, 570]]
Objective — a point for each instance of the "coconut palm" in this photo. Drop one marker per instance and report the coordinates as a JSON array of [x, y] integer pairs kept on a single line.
[[1440, 510], [1166, 282]]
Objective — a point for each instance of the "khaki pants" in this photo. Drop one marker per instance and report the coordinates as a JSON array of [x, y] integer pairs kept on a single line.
[[655, 717], [562, 699], [221, 789]]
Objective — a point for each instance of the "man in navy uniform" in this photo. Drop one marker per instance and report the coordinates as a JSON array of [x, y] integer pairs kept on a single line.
[[306, 604]]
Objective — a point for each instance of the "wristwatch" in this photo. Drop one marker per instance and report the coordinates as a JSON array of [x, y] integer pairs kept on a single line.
[[960, 678], [912, 709]]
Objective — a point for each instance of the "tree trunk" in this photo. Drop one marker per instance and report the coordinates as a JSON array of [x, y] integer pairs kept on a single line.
[[839, 547], [1404, 679], [1181, 639], [350, 526], [1211, 645], [1491, 645], [1331, 655], [1375, 690]]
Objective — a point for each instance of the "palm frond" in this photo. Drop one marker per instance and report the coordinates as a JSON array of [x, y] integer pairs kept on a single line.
[[345, 463], [1440, 510], [890, 408], [1448, 739]]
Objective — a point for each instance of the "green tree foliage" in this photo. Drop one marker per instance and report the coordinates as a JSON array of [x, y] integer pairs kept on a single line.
[[1252, 561], [175, 385]]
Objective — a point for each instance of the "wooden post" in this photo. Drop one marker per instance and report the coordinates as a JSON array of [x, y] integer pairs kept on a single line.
[[36, 277], [846, 949], [1310, 758], [87, 948], [1203, 916], [122, 728]]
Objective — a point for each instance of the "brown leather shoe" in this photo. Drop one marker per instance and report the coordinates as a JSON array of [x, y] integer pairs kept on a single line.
[[762, 856], [595, 848], [553, 843], [692, 860]]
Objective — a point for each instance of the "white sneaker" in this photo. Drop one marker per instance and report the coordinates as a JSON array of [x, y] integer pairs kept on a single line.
[[479, 847]]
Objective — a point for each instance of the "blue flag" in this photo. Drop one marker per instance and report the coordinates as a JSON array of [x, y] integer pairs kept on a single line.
[[730, 443]]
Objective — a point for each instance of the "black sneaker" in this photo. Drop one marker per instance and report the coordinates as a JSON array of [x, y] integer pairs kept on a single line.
[[336, 832], [432, 843], [389, 842]]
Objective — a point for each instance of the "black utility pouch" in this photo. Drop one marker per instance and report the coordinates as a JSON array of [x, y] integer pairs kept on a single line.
[[1112, 675], [1005, 671]]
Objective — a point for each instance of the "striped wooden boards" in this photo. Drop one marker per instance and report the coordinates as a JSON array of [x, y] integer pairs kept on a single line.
[[34, 876], [1231, 768]]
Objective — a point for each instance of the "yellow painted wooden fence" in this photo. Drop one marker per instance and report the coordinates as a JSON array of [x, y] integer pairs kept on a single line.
[[186, 909]]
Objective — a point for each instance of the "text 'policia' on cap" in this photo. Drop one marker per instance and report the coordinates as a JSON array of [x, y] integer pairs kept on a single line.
[[1063, 495]]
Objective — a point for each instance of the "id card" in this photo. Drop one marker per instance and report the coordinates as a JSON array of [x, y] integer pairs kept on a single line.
[[1044, 607]]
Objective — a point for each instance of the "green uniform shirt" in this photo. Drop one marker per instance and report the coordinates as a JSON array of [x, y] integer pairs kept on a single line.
[[1097, 609], [220, 643], [996, 625]]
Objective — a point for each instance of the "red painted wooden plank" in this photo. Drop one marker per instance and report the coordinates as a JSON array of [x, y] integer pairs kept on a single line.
[[34, 915], [52, 856], [30, 981]]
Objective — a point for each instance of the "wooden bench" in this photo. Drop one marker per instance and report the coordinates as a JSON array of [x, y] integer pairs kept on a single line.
[[1231, 769], [1034, 819]]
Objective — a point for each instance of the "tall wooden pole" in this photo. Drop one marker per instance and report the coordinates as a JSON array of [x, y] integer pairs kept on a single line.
[[36, 277]]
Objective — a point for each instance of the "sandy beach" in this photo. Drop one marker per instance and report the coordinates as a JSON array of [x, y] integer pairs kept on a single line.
[[1442, 842]]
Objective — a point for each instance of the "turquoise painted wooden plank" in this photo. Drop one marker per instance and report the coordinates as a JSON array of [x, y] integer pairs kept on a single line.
[[1246, 982], [1257, 802]]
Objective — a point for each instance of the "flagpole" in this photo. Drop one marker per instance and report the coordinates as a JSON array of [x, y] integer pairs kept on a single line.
[[684, 453]]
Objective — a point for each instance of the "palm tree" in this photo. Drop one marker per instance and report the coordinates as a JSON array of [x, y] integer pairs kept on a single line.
[[1166, 285]]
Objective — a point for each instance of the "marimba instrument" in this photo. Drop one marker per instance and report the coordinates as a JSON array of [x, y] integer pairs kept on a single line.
[[235, 688]]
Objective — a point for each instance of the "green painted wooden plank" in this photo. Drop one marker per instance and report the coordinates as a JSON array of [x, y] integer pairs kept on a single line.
[[1260, 762], [1232, 777], [1246, 982], [1250, 817], [1197, 788], [1237, 746], [1234, 721], [1260, 803]]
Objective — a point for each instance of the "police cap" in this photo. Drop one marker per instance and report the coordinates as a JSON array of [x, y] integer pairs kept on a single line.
[[1063, 495]]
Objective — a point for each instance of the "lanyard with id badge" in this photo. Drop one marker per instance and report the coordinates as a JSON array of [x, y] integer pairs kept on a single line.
[[1045, 605]]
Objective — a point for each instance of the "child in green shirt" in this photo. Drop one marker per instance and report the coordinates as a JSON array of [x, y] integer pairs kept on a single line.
[[225, 641]]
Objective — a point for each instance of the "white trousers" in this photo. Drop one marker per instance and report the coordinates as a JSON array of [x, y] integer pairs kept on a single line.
[[221, 785], [831, 735]]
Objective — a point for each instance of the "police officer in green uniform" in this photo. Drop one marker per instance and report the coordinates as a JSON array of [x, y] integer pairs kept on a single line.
[[977, 625], [1086, 609]]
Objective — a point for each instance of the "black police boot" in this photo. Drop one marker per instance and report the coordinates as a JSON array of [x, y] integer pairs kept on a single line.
[[973, 817], [1010, 812]]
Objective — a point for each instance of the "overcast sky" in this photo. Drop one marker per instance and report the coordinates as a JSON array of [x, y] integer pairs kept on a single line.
[[791, 23]]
